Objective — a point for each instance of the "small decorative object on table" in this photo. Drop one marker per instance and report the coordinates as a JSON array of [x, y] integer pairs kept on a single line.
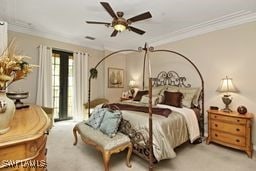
[[12, 68], [242, 110], [17, 96]]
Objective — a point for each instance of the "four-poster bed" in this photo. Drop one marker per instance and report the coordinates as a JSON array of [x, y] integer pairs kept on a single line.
[[143, 143]]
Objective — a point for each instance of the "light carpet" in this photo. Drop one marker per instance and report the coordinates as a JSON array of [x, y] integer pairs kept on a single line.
[[63, 156]]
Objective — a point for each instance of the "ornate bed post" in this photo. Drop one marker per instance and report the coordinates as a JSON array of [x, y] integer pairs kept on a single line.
[[150, 127]]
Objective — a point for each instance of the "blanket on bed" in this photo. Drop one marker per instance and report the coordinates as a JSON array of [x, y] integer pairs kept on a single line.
[[131, 107]]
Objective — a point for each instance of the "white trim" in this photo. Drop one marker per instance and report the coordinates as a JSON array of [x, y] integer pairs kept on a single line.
[[50, 35], [254, 147], [226, 21], [230, 20]]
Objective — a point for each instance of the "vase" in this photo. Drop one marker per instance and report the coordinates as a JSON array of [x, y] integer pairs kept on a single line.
[[7, 110]]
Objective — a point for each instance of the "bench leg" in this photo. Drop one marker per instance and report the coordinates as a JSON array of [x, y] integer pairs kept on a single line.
[[106, 158], [75, 135], [128, 157]]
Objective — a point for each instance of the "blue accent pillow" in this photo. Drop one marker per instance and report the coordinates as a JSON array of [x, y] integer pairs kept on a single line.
[[96, 117], [110, 122]]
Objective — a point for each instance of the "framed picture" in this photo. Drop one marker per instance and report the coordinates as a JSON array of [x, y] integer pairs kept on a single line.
[[115, 78]]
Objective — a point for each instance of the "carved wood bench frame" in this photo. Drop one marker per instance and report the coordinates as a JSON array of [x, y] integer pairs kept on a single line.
[[106, 154]]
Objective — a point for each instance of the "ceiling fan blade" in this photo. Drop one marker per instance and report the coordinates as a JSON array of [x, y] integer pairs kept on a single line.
[[96, 22], [109, 9], [114, 33], [136, 30], [139, 17]]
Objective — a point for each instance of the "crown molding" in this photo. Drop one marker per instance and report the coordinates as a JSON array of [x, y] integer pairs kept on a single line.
[[226, 21], [28, 29]]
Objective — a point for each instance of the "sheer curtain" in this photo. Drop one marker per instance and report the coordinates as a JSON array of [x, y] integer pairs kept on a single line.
[[44, 87], [3, 36], [80, 85]]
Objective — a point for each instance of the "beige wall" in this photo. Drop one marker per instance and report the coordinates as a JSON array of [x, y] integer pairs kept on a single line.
[[28, 45], [228, 52], [115, 61]]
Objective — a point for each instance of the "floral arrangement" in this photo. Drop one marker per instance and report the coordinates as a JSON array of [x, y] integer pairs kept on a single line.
[[12, 66]]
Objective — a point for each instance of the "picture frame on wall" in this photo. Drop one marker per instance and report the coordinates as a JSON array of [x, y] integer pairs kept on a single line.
[[115, 78]]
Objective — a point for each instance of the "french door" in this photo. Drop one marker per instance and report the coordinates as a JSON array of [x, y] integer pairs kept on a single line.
[[62, 67]]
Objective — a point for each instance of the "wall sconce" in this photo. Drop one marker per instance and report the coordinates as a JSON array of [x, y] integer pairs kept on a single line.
[[226, 86]]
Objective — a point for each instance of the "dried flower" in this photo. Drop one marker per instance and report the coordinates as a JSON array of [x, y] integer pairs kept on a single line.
[[12, 66]]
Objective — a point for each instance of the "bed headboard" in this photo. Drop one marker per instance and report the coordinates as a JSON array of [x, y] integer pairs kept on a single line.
[[170, 78], [174, 79]]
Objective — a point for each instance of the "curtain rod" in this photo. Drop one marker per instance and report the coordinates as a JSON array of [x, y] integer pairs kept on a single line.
[[64, 50]]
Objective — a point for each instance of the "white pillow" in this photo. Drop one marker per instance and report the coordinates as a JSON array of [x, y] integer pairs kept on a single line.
[[158, 90], [189, 96], [145, 99]]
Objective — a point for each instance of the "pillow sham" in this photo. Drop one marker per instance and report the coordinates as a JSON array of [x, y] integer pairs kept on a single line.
[[173, 98], [110, 122], [145, 99], [96, 118], [190, 96], [158, 90], [140, 94]]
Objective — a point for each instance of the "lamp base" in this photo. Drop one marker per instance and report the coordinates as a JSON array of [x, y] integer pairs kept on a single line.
[[226, 100], [227, 110]]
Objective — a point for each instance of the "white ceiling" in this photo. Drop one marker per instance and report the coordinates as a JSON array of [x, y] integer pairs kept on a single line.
[[171, 20]]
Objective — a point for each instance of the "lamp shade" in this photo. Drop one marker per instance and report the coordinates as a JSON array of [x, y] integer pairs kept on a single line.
[[131, 83], [226, 85]]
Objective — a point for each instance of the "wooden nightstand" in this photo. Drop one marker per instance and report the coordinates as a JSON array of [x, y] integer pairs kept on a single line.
[[231, 129]]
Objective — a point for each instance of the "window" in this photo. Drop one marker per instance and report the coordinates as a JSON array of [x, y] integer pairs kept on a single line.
[[62, 66]]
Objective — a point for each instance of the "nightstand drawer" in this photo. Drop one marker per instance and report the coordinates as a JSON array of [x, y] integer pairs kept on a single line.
[[227, 138], [228, 119], [228, 127]]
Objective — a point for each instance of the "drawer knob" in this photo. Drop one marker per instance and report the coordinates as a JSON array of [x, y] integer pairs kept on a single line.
[[237, 140], [215, 116], [216, 125], [238, 120], [237, 129], [216, 135]]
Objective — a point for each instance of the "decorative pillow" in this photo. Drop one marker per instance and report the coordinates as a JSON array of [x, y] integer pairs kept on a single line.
[[110, 122], [173, 98], [196, 98], [172, 88], [145, 99], [96, 118], [158, 90], [189, 96], [140, 94]]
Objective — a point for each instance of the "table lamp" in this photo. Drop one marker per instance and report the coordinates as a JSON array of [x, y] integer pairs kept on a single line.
[[132, 85], [226, 86]]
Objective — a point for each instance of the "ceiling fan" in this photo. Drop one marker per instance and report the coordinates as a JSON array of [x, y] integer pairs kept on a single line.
[[119, 23]]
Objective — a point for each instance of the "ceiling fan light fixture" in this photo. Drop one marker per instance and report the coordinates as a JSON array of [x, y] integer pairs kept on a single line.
[[119, 27]]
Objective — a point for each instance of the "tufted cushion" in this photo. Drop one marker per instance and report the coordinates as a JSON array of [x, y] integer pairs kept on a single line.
[[96, 118], [110, 122], [101, 139]]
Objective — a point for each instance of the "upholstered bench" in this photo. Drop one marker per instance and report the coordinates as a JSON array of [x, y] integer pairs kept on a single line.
[[106, 145]]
